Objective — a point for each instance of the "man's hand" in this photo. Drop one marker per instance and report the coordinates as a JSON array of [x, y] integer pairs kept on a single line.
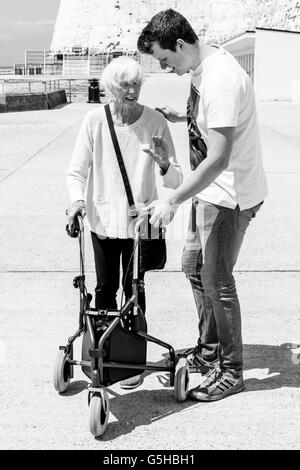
[[159, 151], [162, 212], [77, 207], [171, 114]]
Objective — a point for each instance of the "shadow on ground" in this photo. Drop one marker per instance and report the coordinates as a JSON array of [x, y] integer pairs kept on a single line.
[[282, 364], [76, 387], [141, 408], [60, 106], [272, 366]]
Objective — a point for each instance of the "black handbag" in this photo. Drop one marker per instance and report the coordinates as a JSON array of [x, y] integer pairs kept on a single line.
[[152, 245]]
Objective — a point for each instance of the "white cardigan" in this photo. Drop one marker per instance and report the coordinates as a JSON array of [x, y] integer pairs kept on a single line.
[[94, 175]]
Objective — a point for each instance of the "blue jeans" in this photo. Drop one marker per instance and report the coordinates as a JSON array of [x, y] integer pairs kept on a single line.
[[214, 240]]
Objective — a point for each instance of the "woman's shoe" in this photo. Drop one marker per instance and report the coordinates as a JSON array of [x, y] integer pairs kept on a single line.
[[132, 382]]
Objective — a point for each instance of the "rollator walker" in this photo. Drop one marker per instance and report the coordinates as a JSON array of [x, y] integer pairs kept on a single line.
[[114, 343]]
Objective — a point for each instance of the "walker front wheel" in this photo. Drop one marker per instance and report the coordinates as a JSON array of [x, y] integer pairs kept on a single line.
[[61, 376], [98, 412], [181, 381]]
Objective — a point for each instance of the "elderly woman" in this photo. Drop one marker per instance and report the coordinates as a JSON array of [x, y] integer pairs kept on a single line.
[[95, 183]]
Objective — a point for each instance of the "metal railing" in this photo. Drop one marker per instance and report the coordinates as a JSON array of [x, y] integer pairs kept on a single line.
[[76, 88], [28, 86], [90, 63]]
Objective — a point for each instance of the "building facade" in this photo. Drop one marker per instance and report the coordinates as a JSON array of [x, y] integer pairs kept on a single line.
[[271, 57]]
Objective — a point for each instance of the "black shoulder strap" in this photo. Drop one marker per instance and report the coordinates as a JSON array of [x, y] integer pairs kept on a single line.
[[133, 211]]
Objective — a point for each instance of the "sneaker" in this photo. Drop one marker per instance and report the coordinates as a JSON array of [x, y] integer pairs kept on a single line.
[[218, 386], [207, 379], [132, 382], [195, 364]]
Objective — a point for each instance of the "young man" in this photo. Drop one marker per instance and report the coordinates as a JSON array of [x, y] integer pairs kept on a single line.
[[228, 186]]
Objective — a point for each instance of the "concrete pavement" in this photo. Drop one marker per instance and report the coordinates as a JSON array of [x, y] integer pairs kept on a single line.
[[39, 306]]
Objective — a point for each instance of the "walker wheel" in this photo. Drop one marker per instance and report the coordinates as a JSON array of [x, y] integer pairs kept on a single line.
[[98, 412], [61, 376], [181, 381]]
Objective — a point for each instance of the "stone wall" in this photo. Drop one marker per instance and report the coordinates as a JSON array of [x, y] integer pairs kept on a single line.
[[56, 98], [10, 102]]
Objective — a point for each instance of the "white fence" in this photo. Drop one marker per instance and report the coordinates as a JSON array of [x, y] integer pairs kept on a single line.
[[87, 64]]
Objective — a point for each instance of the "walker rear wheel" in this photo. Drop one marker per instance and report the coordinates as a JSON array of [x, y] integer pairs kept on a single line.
[[98, 412], [61, 376], [181, 381]]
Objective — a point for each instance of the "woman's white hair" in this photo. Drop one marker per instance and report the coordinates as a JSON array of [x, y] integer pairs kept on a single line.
[[121, 69]]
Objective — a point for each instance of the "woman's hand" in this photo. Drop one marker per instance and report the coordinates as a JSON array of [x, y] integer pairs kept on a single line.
[[171, 114], [159, 151], [77, 207]]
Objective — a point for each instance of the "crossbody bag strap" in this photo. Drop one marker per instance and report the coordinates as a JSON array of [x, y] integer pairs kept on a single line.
[[132, 208]]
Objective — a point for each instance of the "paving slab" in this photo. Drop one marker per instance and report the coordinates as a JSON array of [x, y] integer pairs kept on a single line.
[[40, 312]]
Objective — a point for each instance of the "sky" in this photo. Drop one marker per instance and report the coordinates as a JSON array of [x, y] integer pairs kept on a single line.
[[25, 25]]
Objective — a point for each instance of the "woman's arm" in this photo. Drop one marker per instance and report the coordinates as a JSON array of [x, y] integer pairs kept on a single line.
[[163, 153], [173, 176], [78, 170], [81, 160]]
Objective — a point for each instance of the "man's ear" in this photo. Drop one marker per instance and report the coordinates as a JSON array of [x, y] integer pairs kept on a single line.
[[180, 45]]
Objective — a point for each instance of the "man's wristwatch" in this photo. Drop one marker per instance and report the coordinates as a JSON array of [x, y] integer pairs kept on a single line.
[[173, 205]]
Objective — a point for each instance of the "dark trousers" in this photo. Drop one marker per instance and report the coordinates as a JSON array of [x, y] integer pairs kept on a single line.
[[107, 253]]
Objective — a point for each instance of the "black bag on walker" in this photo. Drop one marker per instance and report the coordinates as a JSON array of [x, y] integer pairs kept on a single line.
[[121, 346], [152, 247]]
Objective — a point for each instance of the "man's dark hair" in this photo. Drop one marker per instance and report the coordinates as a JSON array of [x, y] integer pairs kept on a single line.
[[165, 28]]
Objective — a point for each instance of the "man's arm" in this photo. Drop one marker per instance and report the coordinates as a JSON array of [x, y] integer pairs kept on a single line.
[[219, 150], [171, 114]]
